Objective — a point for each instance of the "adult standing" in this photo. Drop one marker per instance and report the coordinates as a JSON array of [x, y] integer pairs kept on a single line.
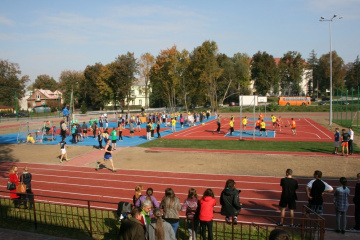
[[107, 156], [148, 196], [120, 132], [356, 201], [230, 202], [315, 190], [14, 178], [131, 128], [218, 122], [66, 113], [26, 178], [159, 229], [63, 129], [351, 139], [158, 128], [171, 205], [288, 196], [341, 200], [131, 228]]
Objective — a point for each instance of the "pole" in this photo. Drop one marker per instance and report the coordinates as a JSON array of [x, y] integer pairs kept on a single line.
[[240, 103], [331, 98], [17, 114]]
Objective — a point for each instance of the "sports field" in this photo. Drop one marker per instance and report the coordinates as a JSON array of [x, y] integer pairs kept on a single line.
[[257, 173]]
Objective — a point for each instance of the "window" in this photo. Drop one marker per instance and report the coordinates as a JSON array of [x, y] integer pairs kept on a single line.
[[38, 97], [132, 102], [140, 102]]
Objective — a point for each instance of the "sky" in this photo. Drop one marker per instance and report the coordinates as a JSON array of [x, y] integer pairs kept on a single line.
[[48, 37]]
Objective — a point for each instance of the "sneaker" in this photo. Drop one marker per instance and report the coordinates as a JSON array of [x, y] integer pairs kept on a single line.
[[97, 166], [294, 225], [227, 220], [235, 221], [67, 160], [279, 224], [61, 161], [114, 170]]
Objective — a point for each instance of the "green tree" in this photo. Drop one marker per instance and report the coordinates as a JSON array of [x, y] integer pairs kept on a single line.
[[353, 74], [70, 81], [146, 62], [45, 82], [93, 82], [11, 81], [186, 80], [338, 72], [291, 70], [264, 72], [313, 73]]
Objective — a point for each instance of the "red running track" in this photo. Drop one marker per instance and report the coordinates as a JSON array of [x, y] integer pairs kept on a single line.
[[260, 194]]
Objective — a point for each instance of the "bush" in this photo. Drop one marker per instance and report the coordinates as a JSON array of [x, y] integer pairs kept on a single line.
[[273, 107], [83, 108]]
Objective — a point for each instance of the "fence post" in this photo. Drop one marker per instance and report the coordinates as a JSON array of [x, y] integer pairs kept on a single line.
[[357, 114], [352, 103], [90, 223], [346, 106]]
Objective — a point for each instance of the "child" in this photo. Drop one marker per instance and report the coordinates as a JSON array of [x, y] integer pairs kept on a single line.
[[341, 200], [206, 215], [100, 138], [337, 141], [113, 138], [262, 127], [148, 131], [345, 142], [190, 206], [63, 150], [138, 190], [231, 130], [120, 132], [244, 122], [230, 202]]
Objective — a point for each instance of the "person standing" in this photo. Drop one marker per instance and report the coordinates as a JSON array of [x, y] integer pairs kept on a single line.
[[94, 128], [107, 156], [345, 142], [100, 138], [190, 205], [148, 131], [73, 133], [351, 139], [66, 113], [341, 200], [28, 197], [263, 127], [273, 120], [113, 138], [230, 202], [206, 215], [173, 125], [356, 201], [218, 122], [63, 129], [159, 229], [231, 124], [132, 228], [14, 178], [315, 190], [171, 205], [244, 123], [336, 141], [84, 129], [158, 128], [288, 197], [120, 132], [63, 147]]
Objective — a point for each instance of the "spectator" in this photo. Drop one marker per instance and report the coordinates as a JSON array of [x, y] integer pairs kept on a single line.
[[14, 178], [230, 202], [159, 229], [351, 139], [356, 200], [138, 190], [279, 234], [131, 228], [148, 196], [171, 205], [341, 200], [145, 212], [192, 216], [206, 215], [26, 178], [315, 190]]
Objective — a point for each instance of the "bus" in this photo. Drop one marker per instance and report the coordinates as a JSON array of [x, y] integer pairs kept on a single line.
[[294, 101]]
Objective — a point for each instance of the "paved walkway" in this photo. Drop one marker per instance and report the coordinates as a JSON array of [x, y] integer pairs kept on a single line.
[[15, 235]]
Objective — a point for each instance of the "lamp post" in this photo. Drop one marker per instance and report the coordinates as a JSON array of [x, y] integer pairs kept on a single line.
[[322, 19]]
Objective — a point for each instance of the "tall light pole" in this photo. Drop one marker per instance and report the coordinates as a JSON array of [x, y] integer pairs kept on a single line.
[[322, 19]]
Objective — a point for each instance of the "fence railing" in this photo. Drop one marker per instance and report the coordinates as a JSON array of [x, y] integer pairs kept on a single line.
[[346, 106], [99, 219]]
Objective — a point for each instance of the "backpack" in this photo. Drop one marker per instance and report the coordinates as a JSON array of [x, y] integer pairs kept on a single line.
[[123, 208]]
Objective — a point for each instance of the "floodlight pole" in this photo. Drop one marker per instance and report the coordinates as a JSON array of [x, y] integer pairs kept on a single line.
[[322, 19]]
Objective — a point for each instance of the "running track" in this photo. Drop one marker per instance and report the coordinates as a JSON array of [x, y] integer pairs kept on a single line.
[[260, 194]]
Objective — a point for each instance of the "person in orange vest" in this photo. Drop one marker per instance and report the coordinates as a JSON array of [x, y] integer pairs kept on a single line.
[[261, 116], [293, 126], [257, 124]]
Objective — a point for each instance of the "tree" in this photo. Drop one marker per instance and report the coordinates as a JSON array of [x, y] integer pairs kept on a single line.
[[146, 62], [291, 69], [45, 82], [94, 89], [11, 83], [186, 80], [70, 81], [338, 72], [122, 77], [353, 74], [264, 72], [313, 74]]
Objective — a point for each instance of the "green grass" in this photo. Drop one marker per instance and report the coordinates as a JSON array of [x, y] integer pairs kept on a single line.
[[324, 147]]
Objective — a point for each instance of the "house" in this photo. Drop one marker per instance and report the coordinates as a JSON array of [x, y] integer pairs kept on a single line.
[[42, 98], [138, 94]]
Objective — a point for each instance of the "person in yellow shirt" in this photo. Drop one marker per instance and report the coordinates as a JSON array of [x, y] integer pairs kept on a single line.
[[173, 125], [30, 139], [273, 120], [231, 126], [262, 127], [244, 122]]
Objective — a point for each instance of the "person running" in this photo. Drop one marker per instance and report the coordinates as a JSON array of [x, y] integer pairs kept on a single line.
[[341, 200], [293, 126], [345, 142], [279, 122], [351, 139], [288, 197], [244, 123], [113, 138], [263, 127], [336, 141], [107, 156], [230, 202], [273, 120], [63, 147], [315, 190], [218, 122], [173, 125], [231, 124]]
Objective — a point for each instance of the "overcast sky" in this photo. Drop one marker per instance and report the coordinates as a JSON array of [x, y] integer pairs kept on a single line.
[[47, 37]]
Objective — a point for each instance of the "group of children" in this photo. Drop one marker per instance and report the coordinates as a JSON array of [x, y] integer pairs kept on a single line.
[[346, 138]]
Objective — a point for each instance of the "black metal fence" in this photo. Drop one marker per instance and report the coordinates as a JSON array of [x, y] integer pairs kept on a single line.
[[97, 219]]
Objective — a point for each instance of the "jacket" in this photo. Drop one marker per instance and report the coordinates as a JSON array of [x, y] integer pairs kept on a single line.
[[131, 229], [230, 202], [168, 230], [207, 208], [171, 212]]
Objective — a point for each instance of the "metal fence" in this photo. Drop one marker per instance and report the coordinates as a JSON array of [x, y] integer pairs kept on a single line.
[[346, 106], [98, 219]]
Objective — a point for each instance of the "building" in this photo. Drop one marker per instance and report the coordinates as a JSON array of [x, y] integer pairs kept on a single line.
[[42, 98], [138, 94]]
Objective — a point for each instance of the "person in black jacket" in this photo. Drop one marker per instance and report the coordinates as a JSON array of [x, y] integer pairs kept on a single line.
[[26, 178], [356, 200], [132, 228], [230, 202]]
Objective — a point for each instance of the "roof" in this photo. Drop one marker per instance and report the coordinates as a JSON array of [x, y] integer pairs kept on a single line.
[[48, 94]]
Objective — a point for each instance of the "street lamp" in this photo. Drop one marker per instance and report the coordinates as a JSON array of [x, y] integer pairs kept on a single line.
[[322, 19]]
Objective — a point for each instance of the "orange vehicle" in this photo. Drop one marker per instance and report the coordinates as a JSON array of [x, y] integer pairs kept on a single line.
[[294, 101]]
